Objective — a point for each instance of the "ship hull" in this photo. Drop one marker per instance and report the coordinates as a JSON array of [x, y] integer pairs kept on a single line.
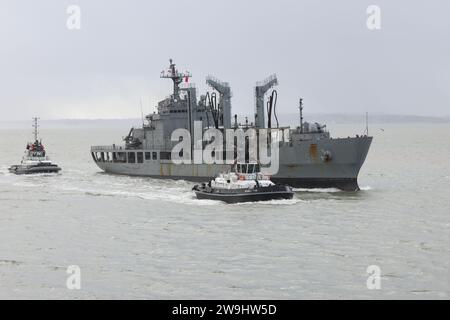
[[301, 166], [344, 184]]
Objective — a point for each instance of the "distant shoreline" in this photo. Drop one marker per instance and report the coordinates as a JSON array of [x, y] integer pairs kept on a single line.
[[284, 120]]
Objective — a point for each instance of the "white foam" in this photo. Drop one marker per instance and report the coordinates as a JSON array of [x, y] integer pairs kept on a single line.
[[145, 192], [271, 202]]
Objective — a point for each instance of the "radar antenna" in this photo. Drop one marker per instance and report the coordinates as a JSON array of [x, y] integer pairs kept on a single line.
[[177, 77]]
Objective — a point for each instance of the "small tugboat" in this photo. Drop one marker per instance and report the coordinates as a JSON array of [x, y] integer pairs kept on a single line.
[[244, 183], [35, 159]]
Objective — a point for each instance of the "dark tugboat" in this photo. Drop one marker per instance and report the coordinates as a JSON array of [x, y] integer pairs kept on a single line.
[[244, 183], [35, 159]]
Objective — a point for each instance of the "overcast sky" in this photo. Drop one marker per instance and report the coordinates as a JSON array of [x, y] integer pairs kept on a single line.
[[320, 50]]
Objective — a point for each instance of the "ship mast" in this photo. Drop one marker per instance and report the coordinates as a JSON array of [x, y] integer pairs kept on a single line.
[[367, 123], [35, 126], [177, 78]]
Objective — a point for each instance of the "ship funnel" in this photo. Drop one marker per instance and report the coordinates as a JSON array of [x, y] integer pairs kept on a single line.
[[260, 90]]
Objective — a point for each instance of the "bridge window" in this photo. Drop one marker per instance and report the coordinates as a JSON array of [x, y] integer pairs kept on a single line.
[[155, 155], [242, 168], [120, 157], [131, 157], [148, 156], [140, 157]]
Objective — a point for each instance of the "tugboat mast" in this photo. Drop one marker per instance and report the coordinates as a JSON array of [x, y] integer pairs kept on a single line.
[[177, 78], [35, 126]]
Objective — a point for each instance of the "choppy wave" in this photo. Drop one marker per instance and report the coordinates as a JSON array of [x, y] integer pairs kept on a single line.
[[326, 190], [145, 189], [168, 237], [177, 191]]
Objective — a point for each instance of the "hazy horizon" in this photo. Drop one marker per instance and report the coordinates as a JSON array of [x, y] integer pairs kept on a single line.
[[242, 115], [357, 121], [322, 52]]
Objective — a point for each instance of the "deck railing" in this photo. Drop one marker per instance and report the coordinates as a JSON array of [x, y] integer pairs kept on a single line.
[[107, 148]]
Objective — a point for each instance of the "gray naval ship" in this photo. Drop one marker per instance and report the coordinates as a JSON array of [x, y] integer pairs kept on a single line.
[[309, 157]]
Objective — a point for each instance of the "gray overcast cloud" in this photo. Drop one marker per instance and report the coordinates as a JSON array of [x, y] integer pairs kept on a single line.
[[320, 50]]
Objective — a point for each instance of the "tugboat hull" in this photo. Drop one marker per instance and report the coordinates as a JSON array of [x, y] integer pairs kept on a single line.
[[34, 169], [232, 196]]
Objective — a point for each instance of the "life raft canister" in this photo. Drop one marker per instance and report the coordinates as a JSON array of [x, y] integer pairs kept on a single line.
[[326, 156]]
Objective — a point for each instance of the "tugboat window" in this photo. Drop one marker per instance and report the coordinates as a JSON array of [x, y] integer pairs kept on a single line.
[[147, 156], [155, 155], [131, 157], [251, 168], [140, 157]]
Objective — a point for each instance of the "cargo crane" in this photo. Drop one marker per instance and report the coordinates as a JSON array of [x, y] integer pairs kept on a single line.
[[260, 90], [225, 100]]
